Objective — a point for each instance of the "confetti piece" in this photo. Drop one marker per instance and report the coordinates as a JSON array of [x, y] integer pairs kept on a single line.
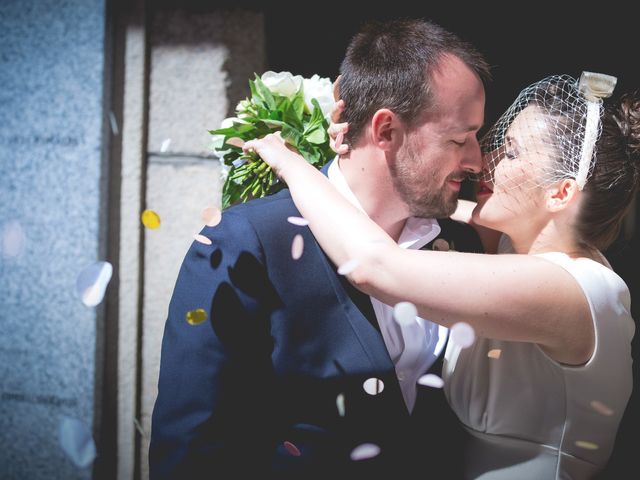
[[76, 441], [92, 283], [601, 408], [238, 162], [463, 334], [301, 222], [440, 245], [150, 219], [586, 445], [235, 141], [373, 386], [196, 317], [13, 239], [340, 404], [405, 313], [495, 353], [348, 267], [291, 448], [138, 426], [202, 239], [365, 451], [114, 124], [297, 247], [211, 216], [431, 380], [165, 145]]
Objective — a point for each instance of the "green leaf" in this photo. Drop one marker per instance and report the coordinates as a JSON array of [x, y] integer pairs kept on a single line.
[[265, 94]]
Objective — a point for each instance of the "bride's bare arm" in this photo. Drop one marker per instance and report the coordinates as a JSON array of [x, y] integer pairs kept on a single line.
[[508, 297]]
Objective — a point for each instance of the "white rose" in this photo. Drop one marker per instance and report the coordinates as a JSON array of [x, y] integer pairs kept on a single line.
[[282, 83], [322, 90]]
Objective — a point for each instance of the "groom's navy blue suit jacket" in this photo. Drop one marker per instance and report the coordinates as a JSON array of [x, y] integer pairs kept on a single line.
[[254, 388]]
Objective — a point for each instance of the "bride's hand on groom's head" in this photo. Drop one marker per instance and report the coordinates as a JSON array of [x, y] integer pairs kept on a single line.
[[337, 130], [274, 151]]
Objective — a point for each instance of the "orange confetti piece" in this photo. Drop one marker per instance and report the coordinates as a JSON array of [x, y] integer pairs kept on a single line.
[[495, 353], [601, 408]]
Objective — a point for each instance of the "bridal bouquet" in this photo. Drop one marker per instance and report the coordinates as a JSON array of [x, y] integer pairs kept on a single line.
[[298, 107]]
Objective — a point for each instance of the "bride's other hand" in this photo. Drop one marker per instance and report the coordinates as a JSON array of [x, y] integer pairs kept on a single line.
[[337, 130], [274, 151]]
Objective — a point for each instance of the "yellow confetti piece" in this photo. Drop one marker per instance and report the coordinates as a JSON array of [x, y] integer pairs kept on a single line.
[[150, 219], [495, 353], [196, 317], [586, 445], [211, 216], [601, 408]]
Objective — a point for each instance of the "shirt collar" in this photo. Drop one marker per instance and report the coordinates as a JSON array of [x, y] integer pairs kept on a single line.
[[417, 232]]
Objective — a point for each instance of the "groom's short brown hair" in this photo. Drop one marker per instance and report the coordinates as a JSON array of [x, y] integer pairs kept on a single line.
[[388, 65]]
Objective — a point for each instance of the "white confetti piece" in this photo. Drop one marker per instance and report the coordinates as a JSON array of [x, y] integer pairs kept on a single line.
[[462, 334], [348, 267], [494, 353], [365, 451], [373, 386], [113, 122], [601, 408], [198, 237], [431, 380], [291, 448], [13, 239], [340, 404], [92, 283], [76, 441], [297, 247], [405, 313], [301, 222], [165, 145]]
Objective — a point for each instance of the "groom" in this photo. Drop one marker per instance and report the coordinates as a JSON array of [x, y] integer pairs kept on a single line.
[[296, 374]]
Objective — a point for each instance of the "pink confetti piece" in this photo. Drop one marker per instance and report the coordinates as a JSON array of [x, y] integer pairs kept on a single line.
[[13, 239], [291, 448], [348, 267], [301, 222], [365, 451], [601, 408], [431, 380], [198, 237], [236, 142], [297, 247], [373, 386], [462, 334], [211, 216]]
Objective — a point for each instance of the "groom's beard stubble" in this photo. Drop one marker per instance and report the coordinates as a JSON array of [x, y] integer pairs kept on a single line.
[[419, 188]]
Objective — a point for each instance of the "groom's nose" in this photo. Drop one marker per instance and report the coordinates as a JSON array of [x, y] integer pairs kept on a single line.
[[472, 158]]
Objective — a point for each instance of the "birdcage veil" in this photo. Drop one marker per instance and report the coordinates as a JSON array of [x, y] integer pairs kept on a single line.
[[554, 124]]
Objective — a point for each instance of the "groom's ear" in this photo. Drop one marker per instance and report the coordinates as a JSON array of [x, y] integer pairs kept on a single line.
[[385, 129]]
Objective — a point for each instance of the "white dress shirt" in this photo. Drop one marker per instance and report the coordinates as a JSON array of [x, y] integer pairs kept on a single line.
[[415, 347]]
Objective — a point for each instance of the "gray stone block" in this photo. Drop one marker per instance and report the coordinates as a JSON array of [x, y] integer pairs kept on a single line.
[[200, 67], [51, 72]]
